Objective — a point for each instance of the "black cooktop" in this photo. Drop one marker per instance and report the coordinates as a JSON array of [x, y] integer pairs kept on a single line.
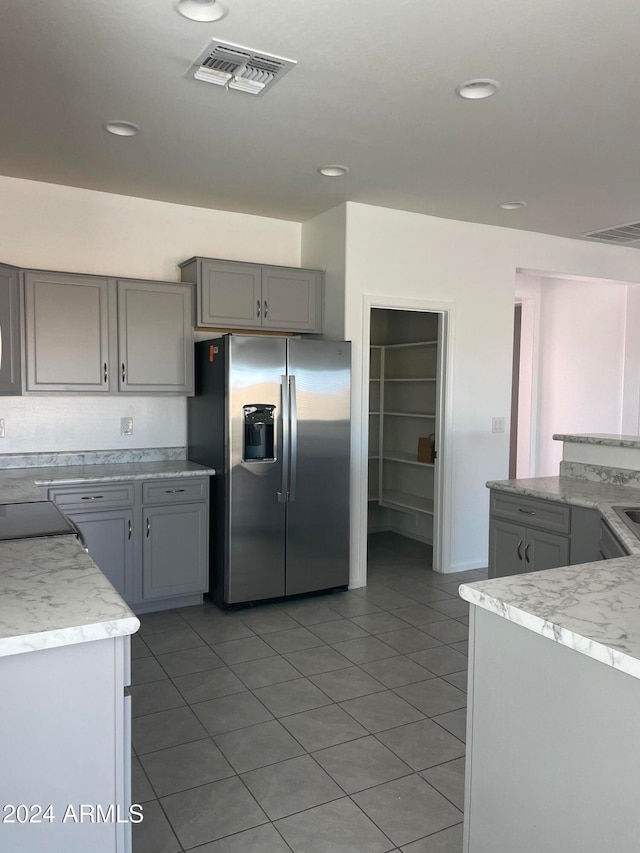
[[30, 520]]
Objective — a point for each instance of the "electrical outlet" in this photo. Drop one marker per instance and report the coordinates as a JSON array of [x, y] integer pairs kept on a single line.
[[497, 425], [126, 426], [1, 427]]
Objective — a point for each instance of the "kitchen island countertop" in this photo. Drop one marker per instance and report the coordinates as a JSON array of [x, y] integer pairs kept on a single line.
[[53, 594]]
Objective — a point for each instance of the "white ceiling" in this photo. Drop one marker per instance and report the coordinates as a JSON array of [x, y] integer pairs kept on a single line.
[[373, 89]]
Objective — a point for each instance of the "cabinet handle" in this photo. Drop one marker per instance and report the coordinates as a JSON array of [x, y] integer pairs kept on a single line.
[[527, 511], [92, 498], [526, 552], [257, 308], [519, 550], [124, 372], [129, 529], [266, 309], [105, 372], [148, 527], [173, 491]]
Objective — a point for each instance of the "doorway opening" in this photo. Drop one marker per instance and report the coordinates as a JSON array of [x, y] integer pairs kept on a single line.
[[406, 387]]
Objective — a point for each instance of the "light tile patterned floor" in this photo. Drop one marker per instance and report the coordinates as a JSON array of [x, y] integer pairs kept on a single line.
[[331, 723]]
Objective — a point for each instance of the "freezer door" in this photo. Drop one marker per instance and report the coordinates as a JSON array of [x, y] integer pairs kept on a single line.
[[318, 507], [256, 552]]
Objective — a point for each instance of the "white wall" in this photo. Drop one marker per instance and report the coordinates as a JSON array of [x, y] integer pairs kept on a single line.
[[581, 363], [631, 385], [45, 226], [324, 247], [392, 253]]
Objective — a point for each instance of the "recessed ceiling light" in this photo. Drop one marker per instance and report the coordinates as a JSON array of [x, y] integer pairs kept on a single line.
[[204, 11], [333, 171], [121, 128], [512, 205], [480, 87]]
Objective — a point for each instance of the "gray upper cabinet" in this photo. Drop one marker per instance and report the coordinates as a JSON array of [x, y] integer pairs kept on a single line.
[[230, 295], [154, 337], [68, 323], [10, 378], [291, 299], [97, 335], [234, 295]]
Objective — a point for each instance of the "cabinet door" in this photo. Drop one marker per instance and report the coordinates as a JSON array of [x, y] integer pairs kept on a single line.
[[10, 380], [154, 337], [545, 551], [67, 329], [506, 548], [175, 550], [291, 299], [230, 295], [109, 536]]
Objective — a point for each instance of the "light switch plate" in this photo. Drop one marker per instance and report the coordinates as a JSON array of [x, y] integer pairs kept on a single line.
[[126, 426], [1, 427], [497, 425]]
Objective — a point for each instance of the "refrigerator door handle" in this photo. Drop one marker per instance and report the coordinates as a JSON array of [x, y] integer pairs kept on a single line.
[[283, 495], [293, 408]]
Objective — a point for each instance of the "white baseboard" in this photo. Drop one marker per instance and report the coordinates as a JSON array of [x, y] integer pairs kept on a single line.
[[466, 567]]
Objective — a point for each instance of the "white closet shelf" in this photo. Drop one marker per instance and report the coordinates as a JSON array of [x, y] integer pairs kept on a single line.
[[406, 415], [410, 346], [393, 498], [414, 379], [407, 458], [374, 413]]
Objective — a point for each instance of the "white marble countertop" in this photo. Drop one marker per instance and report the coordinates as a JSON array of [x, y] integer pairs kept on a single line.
[[593, 608], [586, 493], [23, 485], [51, 591], [603, 438], [53, 594]]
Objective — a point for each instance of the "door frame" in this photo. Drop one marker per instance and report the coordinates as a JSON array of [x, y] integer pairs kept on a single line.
[[443, 472]]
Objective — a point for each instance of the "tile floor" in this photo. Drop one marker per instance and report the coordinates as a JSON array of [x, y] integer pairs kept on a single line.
[[332, 724]]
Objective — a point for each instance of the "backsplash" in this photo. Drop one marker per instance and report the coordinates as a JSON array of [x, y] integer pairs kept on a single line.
[[92, 457], [600, 474]]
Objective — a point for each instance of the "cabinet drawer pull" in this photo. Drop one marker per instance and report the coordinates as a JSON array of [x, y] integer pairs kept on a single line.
[[257, 308], [526, 552], [527, 511], [105, 372], [124, 372], [92, 498], [148, 527], [129, 530], [173, 491], [519, 550], [266, 309]]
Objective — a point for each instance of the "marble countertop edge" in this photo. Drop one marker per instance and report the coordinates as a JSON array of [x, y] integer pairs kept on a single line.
[[68, 636], [553, 631]]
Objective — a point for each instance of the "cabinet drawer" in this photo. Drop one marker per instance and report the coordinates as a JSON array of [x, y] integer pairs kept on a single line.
[[175, 491], [96, 496], [534, 513]]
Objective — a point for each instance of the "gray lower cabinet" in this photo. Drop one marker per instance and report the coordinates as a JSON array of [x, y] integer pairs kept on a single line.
[[235, 295], [514, 549], [174, 551], [150, 538], [66, 742], [10, 316], [108, 534], [529, 534]]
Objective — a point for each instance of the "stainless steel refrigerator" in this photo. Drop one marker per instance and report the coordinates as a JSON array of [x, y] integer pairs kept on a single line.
[[272, 416]]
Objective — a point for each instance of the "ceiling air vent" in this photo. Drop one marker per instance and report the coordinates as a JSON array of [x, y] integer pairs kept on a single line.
[[241, 68], [618, 235]]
